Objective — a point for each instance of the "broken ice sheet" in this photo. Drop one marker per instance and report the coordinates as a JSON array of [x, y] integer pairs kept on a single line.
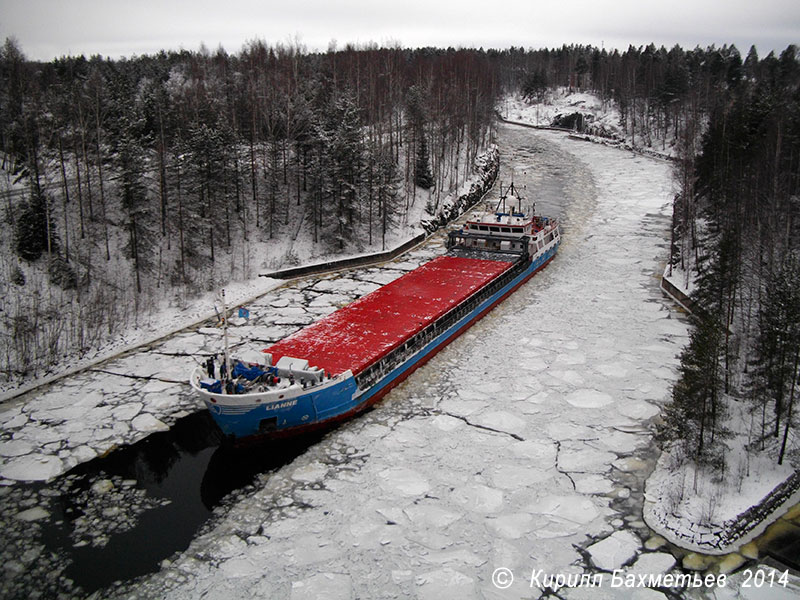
[[615, 550], [102, 507], [32, 467], [445, 583]]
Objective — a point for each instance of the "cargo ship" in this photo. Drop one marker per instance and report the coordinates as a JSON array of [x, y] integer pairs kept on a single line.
[[340, 365]]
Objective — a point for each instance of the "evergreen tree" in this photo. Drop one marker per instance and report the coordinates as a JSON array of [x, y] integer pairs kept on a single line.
[[131, 132], [535, 86], [422, 166], [133, 196], [693, 417], [751, 63], [388, 193], [35, 230], [344, 147], [777, 346], [416, 122], [14, 93], [581, 68], [205, 178]]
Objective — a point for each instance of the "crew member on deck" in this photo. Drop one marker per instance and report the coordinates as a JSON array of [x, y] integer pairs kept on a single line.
[[210, 366]]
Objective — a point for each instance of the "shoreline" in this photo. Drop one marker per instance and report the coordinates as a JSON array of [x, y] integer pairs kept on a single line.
[[716, 539]]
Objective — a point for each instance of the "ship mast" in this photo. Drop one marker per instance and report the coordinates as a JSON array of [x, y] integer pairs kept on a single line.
[[225, 334], [512, 190]]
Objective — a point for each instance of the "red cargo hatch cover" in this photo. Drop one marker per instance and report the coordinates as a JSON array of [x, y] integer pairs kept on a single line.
[[364, 331]]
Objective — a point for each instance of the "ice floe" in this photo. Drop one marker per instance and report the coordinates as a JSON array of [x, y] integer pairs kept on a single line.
[[615, 550], [149, 423], [32, 467]]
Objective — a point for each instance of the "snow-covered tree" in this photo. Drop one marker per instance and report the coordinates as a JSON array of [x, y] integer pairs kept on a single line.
[[340, 139], [422, 166], [35, 230], [415, 103], [388, 193], [777, 347], [695, 416]]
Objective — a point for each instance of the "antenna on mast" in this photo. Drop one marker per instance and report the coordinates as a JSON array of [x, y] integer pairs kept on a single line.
[[501, 199]]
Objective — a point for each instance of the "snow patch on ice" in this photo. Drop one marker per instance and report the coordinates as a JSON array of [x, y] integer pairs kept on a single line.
[[310, 473], [570, 511], [501, 421], [461, 408], [478, 498], [511, 526], [431, 515], [13, 448], [652, 563], [614, 370], [447, 423], [33, 514], [405, 481], [445, 583], [637, 409]]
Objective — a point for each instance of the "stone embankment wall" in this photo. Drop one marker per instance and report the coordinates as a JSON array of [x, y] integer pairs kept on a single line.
[[765, 512], [726, 537], [488, 167]]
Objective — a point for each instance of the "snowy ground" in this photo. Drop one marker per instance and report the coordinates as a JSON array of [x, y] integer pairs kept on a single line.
[[523, 446], [601, 117]]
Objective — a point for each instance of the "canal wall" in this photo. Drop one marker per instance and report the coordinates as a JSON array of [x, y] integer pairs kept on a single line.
[[731, 534], [678, 295]]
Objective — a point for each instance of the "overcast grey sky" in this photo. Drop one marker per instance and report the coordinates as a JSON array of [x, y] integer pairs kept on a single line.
[[49, 28]]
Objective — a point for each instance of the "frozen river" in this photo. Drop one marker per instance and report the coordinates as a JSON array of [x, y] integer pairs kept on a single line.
[[519, 452], [506, 450]]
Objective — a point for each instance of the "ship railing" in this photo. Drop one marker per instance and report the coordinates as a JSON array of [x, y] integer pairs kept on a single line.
[[411, 346], [260, 378], [489, 242]]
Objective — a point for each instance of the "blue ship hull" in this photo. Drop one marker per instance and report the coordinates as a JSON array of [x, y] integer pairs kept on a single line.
[[250, 418]]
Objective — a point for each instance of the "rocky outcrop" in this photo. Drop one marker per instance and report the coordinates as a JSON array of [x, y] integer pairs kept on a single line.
[[488, 165]]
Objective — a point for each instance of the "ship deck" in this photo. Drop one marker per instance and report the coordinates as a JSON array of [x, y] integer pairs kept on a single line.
[[367, 329]]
